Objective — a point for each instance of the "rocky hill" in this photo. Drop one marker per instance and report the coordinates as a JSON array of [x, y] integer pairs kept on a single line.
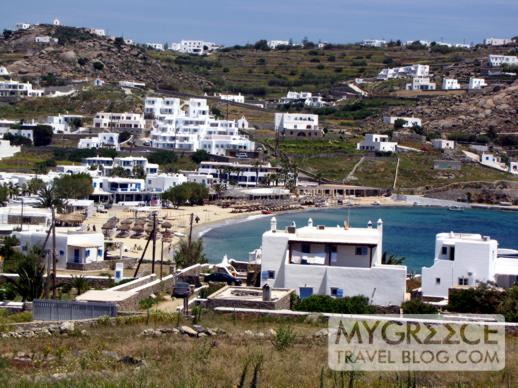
[[79, 54], [494, 108]]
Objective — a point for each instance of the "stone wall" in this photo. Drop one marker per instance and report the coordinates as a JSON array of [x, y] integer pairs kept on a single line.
[[283, 303], [104, 264]]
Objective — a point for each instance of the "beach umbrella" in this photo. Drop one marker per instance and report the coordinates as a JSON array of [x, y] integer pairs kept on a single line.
[[124, 227], [167, 225], [127, 221], [108, 225], [138, 229]]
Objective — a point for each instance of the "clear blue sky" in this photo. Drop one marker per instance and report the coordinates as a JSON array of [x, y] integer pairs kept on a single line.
[[240, 21]]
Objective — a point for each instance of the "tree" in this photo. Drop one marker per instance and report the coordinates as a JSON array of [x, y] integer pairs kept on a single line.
[[35, 185], [119, 41], [7, 33], [509, 305], [200, 156], [399, 123], [219, 189], [73, 186], [48, 198], [162, 157], [42, 135], [7, 250], [139, 172], [390, 259], [4, 195], [80, 284], [120, 172], [417, 306], [30, 282], [17, 139], [190, 192], [261, 45], [189, 254], [98, 65]]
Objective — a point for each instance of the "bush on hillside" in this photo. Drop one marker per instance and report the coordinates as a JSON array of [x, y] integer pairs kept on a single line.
[[327, 304]]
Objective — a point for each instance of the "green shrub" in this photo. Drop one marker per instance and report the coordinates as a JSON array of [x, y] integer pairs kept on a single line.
[[327, 304], [417, 306], [284, 338]]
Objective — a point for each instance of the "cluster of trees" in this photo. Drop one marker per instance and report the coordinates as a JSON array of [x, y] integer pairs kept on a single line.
[[187, 193], [163, 157], [486, 299], [137, 172], [189, 253], [73, 186], [17, 140]]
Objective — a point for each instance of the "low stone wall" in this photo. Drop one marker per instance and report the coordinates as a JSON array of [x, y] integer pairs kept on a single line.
[[93, 281], [283, 303], [105, 264]]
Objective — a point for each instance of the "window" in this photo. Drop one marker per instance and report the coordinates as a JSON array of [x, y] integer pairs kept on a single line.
[[437, 281], [306, 248], [337, 292], [444, 250], [271, 274], [361, 251], [463, 281]]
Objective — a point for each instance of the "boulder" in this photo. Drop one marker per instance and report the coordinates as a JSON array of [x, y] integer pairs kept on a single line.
[[66, 327], [188, 331]]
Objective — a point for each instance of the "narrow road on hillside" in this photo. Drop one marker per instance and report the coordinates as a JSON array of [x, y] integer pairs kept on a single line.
[[351, 173], [395, 176]]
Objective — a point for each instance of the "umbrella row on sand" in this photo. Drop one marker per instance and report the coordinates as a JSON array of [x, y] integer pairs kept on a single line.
[[140, 225]]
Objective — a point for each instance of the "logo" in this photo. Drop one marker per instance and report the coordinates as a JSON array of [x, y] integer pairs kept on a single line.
[[416, 343]]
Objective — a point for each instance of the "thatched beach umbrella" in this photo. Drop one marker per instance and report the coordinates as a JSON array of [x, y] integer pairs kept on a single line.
[[167, 225], [138, 229], [127, 221], [124, 227]]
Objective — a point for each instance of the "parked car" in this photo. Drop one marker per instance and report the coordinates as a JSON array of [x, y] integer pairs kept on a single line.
[[223, 278], [181, 290]]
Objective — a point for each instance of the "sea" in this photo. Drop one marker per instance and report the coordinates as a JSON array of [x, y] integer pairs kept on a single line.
[[407, 231]]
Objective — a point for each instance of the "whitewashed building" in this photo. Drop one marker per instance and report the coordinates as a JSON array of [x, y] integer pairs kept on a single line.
[[18, 89], [500, 60], [131, 84], [107, 140], [410, 122], [46, 39], [297, 125], [307, 98], [3, 71], [443, 144], [492, 161], [377, 143], [416, 70], [273, 44], [193, 129], [497, 41], [122, 121], [156, 46], [242, 174], [63, 123], [161, 182], [513, 168], [197, 47], [337, 261], [23, 26], [7, 150], [466, 260], [129, 163], [420, 83], [71, 247], [476, 83], [450, 84], [373, 43], [97, 31], [232, 97]]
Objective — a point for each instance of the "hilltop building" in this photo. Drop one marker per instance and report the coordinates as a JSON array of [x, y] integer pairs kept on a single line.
[[18, 89], [124, 121], [107, 140], [193, 129], [476, 83], [196, 47], [376, 143], [273, 44], [443, 144], [497, 41], [404, 71], [297, 125], [420, 83], [450, 84], [410, 122], [373, 43], [500, 60], [336, 261]]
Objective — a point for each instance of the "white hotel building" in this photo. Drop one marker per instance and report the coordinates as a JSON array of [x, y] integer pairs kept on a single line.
[[122, 121], [193, 129], [246, 175], [197, 47], [338, 261], [466, 260], [404, 71], [376, 143]]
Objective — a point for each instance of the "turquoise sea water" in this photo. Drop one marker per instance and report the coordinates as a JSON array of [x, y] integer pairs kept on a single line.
[[408, 232]]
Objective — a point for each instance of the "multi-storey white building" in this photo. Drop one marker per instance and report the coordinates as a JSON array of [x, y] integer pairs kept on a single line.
[[71, 247], [198, 47], [109, 140], [18, 89], [497, 41], [476, 83], [273, 44], [247, 175], [63, 123], [304, 97], [336, 261], [420, 83], [416, 70], [450, 84], [377, 143], [98, 161], [193, 129], [466, 260], [161, 182], [122, 121], [409, 121], [297, 125], [129, 163], [443, 144], [373, 43], [500, 60]]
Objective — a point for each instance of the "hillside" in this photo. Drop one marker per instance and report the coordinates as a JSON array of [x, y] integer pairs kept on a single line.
[[80, 54]]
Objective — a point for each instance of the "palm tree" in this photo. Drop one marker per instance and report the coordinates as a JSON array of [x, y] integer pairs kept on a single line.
[[49, 199], [80, 284], [29, 284], [391, 259], [257, 166], [189, 254], [219, 189]]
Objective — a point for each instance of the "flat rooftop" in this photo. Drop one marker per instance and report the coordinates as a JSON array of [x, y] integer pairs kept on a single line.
[[252, 294]]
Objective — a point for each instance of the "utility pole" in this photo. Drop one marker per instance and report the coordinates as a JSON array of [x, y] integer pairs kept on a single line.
[[190, 231], [54, 261], [21, 217], [161, 257], [154, 243]]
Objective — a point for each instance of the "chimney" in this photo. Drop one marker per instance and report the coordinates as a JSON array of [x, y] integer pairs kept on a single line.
[[273, 224], [310, 222], [379, 224], [369, 224], [267, 293]]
